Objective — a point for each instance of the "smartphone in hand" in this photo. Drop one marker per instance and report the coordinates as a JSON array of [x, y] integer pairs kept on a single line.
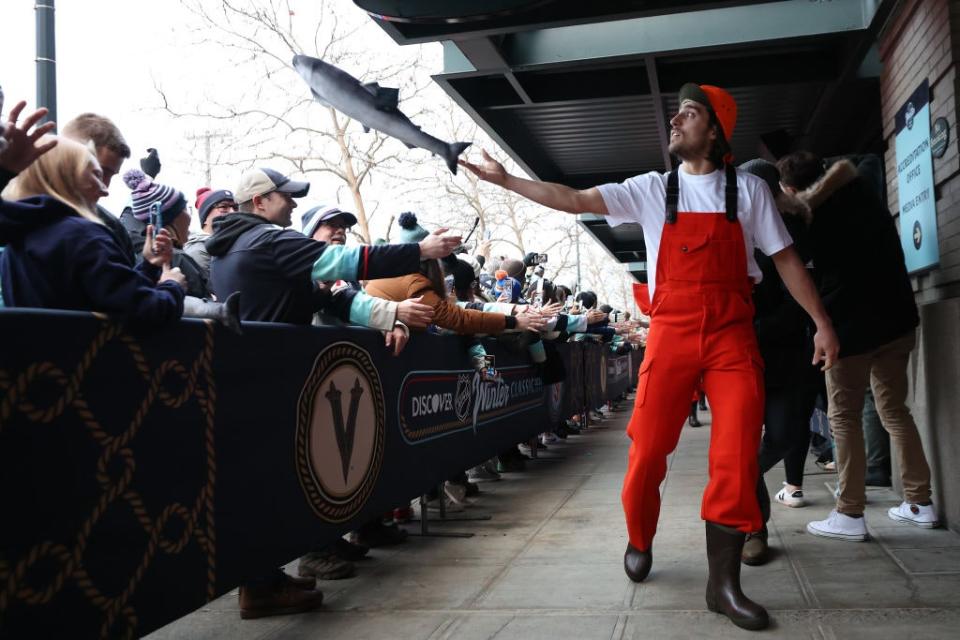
[[155, 220], [490, 368]]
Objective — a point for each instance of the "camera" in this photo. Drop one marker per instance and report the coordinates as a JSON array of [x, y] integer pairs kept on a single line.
[[540, 258]]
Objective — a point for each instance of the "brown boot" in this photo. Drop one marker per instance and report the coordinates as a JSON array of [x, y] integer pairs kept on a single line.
[[755, 548], [724, 550], [276, 596], [637, 563]]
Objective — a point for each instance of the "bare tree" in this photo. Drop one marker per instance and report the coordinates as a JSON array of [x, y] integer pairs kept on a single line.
[[268, 116], [274, 119]]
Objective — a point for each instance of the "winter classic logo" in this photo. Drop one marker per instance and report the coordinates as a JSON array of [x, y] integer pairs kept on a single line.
[[433, 404], [340, 432]]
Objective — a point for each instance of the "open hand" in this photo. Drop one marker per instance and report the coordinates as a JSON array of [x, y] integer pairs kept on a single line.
[[550, 310], [21, 148], [594, 316], [530, 321], [489, 169], [413, 313], [436, 245]]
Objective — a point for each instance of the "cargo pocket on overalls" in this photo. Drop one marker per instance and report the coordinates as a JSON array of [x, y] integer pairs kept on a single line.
[[643, 381], [757, 367]]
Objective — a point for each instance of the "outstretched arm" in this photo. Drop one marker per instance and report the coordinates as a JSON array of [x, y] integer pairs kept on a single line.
[[826, 346], [549, 194]]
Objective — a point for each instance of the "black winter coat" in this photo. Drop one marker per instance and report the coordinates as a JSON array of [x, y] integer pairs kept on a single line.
[[859, 261], [54, 258]]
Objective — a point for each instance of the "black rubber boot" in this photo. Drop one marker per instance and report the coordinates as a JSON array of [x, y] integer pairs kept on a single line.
[[724, 550], [637, 563], [703, 403], [694, 421]]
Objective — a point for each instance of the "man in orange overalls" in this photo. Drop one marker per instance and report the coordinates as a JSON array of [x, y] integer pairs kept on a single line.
[[700, 223]]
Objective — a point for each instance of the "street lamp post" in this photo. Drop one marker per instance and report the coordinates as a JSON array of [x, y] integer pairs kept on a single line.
[[46, 58]]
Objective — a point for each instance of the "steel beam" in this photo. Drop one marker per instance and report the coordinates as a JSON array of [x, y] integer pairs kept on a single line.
[[653, 80], [549, 17], [708, 28]]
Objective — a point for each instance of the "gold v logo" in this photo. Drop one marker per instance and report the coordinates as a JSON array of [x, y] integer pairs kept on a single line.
[[340, 448], [345, 433]]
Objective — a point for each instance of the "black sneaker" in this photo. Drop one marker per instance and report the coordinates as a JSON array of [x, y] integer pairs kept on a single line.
[[377, 534]]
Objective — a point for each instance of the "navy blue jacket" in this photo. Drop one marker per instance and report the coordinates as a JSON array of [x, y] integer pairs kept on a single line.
[[274, 269], [54, 258]]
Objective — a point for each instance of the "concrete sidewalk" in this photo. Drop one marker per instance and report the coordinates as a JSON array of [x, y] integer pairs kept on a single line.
[[549, 565]]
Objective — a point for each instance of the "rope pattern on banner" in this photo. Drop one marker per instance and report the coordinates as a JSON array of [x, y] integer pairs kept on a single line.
[[14, 398]]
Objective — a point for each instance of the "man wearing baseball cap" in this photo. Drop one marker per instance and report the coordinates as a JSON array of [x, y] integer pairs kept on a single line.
[[210, 205], [277, 268], [327, 223], [700, 223], [253, 251]]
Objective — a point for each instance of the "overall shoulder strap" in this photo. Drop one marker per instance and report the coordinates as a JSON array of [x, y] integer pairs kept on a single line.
[[673, 196], [730, 190]]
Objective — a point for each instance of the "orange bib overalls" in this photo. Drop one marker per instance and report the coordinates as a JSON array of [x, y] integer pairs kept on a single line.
[[701, 326]]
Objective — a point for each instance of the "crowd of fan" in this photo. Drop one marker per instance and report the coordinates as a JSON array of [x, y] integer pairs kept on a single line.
[[60, 249]]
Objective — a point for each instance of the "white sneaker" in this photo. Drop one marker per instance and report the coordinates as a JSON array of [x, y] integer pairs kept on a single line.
[[924, 516], [456, 493], [839, 526], [548, 438], [434, 505], [525, 449], [790, 498]]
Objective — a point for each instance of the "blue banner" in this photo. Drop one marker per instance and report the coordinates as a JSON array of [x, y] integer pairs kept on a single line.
[[918, 209]]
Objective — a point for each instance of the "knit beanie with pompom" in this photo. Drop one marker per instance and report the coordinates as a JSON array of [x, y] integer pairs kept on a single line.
[[410, 230], [146, 192]]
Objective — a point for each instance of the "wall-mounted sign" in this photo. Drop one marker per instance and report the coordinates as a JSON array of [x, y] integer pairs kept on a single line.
[[918, 209], [939, 137]]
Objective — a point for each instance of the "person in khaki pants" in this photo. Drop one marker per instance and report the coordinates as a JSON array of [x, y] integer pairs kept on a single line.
[[863, 282]]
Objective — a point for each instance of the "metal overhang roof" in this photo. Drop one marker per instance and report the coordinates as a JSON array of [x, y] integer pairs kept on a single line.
[[583, 95]]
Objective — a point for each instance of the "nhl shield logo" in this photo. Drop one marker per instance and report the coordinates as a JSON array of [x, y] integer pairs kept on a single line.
[[340, 432], [463, 400]]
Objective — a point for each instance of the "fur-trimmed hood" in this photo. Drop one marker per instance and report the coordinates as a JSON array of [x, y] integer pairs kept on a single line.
[[839, 175]]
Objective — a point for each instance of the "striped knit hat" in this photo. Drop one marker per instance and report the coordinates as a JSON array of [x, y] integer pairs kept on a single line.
[[146, 192]]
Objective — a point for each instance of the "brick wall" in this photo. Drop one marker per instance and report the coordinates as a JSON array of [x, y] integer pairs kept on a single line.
[[920, 41]]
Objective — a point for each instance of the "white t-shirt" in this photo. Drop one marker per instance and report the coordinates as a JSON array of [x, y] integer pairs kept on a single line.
[[642, 200]]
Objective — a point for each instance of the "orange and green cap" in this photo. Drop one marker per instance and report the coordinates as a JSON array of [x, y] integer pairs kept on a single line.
[[718, 100]]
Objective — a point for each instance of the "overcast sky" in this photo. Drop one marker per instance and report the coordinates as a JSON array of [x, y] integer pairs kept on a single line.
[[110, 56]]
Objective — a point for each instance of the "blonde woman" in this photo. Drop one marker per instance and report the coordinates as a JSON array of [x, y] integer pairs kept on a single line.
[[57, 254]]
